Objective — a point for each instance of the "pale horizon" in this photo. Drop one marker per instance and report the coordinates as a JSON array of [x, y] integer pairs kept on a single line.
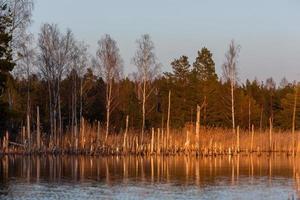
[[268, 34]]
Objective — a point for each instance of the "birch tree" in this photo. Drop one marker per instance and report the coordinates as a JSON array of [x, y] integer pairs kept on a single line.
[[25, 63], [53, 59], [109, 63], [78, 63], [146, 62], [230, 74]]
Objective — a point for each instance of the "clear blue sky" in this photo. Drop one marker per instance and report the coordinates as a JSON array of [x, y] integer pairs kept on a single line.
[[267, 30]]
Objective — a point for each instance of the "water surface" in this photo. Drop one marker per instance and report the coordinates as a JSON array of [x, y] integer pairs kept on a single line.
[[131, 177]]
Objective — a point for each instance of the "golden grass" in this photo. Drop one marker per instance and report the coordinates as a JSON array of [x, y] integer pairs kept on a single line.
[[212, 141]]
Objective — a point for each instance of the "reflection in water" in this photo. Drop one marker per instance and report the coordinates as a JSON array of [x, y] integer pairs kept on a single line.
[[205, 172]]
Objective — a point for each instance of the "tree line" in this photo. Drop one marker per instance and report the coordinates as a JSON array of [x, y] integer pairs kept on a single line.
[[57, 75]]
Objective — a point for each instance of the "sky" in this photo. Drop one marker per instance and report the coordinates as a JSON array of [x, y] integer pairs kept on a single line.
[[268, 31]]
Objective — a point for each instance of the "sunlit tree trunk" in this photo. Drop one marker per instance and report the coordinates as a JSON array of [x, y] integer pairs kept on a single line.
[[249, 115], [108, 106], [294, 119], [232, 103], [168, 120], [230, 73], [144, 107], [198, 125]]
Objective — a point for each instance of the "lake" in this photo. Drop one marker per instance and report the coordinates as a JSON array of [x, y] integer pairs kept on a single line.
[[273, 176]]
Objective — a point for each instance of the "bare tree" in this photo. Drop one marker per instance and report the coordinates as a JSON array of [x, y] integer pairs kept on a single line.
[[230, 74], [109, 63], [78, 64], [21, 11], [25, 67], [146, 63], [53, 58]]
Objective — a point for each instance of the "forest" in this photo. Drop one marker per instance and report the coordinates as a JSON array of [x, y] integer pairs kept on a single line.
[[57, 79]]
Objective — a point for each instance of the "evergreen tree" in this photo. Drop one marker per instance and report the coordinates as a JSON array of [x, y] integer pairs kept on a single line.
[[181, 69], [204, 66], [6, 62], [179, 86], [205, 81]]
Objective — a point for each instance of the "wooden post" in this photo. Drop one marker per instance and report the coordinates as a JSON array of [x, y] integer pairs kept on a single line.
[[198, 126], [238, 138], [125, 134], [168, 120], [38, 133], [270, 134], [152, 141], [252, 137]]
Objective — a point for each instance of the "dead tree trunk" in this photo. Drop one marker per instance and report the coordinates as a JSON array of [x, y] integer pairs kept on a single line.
[[198, 126], [38, 133], [81, 94], [60, 123], [125, 134], [98, 134], [232, 106], [238, 139], [152, 141], [144, 107], [108, 107], [82, 133], [7, 142], [28, 133], [270, 134], [252, 137], [249, 114], [294, 119], [261, 119], [168, 120]]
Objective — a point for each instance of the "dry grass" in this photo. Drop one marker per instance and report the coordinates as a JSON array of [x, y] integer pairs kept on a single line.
[[215, 141]]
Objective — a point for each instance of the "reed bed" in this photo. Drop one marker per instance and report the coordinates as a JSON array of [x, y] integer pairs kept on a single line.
[[90, 140]]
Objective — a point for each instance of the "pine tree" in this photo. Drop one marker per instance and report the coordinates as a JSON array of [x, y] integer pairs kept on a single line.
[[179, 86], [205, 79], [181, 69], [204, 66], [6, 62]]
